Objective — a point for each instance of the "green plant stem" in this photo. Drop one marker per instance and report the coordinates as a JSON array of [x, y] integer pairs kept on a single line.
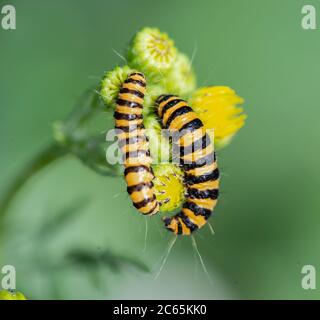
[[86, 107], [44, 158]]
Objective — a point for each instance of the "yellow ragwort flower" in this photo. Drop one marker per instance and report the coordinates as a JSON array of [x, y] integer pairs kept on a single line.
[[11, 295], [168, 186], [152, 52], [218, 109]]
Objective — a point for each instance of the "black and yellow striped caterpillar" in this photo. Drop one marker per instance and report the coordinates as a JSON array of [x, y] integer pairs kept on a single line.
[[134, 144], [198, 161]]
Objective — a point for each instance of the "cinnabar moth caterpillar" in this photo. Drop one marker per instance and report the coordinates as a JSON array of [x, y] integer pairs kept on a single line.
[[134, 144], [198, 161]]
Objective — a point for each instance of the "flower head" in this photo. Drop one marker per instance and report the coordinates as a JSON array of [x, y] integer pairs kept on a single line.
[[112, 82], [152, 52], [168, 186], [11, 295], [181, 79], [218, 109]]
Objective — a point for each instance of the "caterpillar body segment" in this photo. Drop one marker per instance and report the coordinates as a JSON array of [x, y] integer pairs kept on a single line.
[[134, 144], [197, 158]]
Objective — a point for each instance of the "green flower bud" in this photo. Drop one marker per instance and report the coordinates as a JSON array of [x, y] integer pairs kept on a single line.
[[58, 132], [111, 84], [152, 52], [181, 79], [11, 295], [159, 145], [168, 186], [152, 93]]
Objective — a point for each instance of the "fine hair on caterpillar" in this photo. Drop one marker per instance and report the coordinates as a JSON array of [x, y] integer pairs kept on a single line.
[[196, 252], [118, 54]]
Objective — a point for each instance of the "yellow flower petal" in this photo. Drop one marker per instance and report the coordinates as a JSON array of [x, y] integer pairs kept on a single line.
[[218, 109]]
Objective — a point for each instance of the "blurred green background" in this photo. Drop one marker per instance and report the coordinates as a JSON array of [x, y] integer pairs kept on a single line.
[[267, 220]]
